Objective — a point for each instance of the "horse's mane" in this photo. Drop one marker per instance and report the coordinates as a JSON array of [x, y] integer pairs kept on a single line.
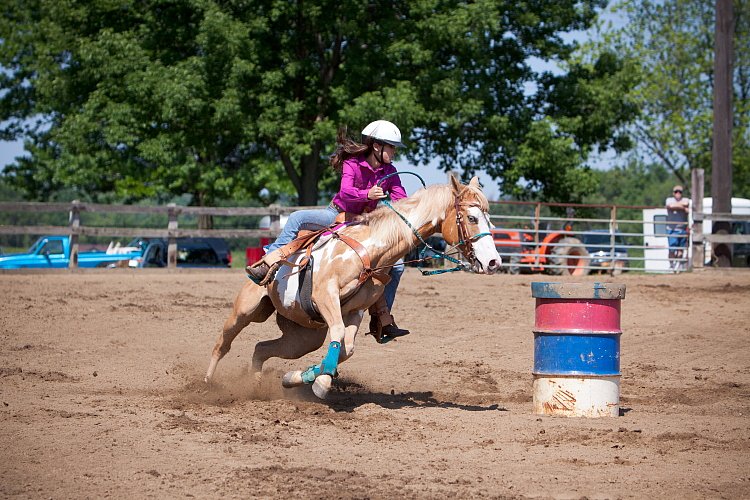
[[428, 205]]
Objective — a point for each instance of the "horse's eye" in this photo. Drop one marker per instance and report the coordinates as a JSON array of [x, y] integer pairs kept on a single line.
[[473, 219]]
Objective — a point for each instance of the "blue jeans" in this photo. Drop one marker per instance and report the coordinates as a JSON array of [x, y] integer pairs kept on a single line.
[[390, 289], [317, 218], [324, 217], [677, 237]]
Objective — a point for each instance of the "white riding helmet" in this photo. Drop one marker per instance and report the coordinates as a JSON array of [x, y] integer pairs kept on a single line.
[[384, 131]]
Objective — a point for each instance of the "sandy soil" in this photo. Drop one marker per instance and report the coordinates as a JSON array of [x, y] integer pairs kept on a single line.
[[102, 396]]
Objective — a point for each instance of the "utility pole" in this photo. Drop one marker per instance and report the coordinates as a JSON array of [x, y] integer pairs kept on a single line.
[[721, 166]]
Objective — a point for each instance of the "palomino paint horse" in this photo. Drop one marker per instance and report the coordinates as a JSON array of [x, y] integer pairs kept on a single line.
[[342, 291]]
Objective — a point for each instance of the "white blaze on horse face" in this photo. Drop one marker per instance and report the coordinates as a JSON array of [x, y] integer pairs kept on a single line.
[[484, 247]]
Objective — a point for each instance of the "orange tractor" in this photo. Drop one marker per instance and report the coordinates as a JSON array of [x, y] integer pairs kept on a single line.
[[552, 252]]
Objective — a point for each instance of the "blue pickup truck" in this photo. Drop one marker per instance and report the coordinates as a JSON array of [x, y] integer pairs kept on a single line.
[[54, 252]]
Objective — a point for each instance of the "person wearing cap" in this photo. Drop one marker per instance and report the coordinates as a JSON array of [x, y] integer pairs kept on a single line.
[[677, 218], [362, 165]]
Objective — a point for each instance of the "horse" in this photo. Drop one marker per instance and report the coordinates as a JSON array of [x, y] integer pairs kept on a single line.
[[344, 284]]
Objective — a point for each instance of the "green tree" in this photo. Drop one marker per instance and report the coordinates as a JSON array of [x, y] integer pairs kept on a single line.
[[670, 44], [634, 183], [587, 108], [221, 98]]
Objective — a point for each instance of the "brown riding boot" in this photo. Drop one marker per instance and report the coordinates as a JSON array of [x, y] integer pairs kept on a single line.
[[263, 271], [382, 325]]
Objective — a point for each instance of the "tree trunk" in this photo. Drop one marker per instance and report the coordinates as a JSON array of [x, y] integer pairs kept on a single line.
[[306, 175], [308, 188], [205, 221]]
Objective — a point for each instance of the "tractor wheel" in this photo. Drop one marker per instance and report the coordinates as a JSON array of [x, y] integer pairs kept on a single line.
[[573, 256], [514, 265]]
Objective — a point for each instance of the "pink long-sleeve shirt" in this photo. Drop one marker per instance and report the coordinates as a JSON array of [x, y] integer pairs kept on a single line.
[[357, 178]]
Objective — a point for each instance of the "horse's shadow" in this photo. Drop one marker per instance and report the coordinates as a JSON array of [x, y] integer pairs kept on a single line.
[[347, 396]]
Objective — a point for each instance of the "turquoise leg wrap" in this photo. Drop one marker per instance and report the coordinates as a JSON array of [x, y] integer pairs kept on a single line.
[[331, 361], [309, 375]]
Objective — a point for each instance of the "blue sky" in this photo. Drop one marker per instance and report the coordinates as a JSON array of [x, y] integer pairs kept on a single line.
[[9, 151]]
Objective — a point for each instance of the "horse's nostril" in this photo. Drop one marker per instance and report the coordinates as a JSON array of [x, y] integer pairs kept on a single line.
[[494, 264]]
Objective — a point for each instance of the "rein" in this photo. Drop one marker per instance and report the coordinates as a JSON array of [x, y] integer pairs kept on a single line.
[[460, 265], [462, 234]]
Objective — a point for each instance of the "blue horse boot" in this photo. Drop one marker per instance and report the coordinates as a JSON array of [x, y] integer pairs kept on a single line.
[[309, 375], [296, 378], [328, 366]]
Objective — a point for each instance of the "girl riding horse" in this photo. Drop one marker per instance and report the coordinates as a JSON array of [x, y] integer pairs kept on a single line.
[[362, 167], [348, 277]]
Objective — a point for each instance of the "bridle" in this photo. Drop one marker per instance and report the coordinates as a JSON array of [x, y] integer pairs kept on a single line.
[[465, 240]]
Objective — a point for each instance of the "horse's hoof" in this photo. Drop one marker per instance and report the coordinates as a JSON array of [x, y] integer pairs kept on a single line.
[[322, 385], [292, 379]]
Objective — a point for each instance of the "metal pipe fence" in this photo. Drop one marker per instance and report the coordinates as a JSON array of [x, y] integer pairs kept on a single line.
[[586, 239]]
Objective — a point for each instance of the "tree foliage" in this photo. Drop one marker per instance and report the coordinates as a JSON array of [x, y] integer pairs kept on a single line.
[[634, 183], [218, 99], [670, 44]]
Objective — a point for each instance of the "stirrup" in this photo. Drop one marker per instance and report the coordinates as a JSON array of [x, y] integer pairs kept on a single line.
[[254, 275], [268, 276], [271, 273]]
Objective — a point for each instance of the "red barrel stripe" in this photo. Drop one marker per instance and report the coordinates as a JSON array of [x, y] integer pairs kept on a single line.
[[577, 315]]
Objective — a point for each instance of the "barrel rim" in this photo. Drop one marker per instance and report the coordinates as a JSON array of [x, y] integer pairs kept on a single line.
[[575, 375], [593, 290], [576, 331]]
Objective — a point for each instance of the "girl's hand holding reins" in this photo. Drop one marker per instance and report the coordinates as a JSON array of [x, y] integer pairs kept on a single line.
[[376, 193]]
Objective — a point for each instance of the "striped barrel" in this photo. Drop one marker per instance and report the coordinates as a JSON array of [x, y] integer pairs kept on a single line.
[[577, 349]]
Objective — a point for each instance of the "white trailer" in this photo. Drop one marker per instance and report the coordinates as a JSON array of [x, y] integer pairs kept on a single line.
[[656, 253]]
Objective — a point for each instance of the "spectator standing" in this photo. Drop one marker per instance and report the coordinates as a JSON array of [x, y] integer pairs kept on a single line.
[[677, 218]]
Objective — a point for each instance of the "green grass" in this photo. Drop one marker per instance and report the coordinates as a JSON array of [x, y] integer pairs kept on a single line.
[[9, 250]]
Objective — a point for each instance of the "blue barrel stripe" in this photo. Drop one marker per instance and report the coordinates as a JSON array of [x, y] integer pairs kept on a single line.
[[591, 354]]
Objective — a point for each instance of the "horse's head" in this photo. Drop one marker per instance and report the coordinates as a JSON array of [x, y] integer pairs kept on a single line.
[[467, 226]]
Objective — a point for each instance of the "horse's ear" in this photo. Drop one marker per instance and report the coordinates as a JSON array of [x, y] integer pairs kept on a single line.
[[475, 182], [455, 184]]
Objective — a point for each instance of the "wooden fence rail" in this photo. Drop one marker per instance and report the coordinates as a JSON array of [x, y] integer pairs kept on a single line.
[[171, 233]]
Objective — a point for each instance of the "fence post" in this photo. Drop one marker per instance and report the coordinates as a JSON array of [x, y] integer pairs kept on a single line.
[[172, 238], [612, 231], [275, 220], [74, 221], [537, 214], [697, 181]]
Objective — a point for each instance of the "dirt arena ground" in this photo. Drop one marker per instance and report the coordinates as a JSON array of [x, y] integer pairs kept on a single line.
[[102, 396]]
